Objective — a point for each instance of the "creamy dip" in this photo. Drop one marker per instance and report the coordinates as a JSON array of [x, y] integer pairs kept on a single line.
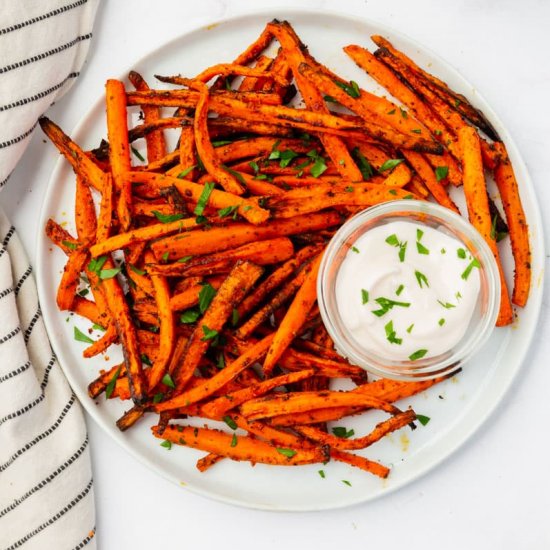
[[407, 291]]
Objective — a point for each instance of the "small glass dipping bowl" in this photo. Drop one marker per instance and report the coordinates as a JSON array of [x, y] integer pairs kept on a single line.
[[435, 216]]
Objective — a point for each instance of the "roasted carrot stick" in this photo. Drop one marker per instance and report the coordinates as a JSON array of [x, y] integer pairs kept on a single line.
[[517, 224], [218, 239], [78, 159], [156, 144], [295, 316], [478, 209], [238, 447], [228, 297], [119, 150]]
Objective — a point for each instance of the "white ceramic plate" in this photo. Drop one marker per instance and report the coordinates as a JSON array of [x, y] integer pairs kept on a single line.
[[456, 408]]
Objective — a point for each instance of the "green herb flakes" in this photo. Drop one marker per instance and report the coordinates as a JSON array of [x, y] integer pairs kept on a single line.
[[418, 354], [79, 336], [111, 385]]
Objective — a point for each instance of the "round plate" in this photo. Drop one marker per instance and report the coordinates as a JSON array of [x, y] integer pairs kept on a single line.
[[456, 407]]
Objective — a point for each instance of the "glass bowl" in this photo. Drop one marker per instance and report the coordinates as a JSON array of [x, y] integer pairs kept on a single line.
[[432, 215]]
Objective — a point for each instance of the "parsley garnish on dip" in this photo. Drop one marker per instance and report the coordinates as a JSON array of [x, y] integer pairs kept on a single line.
[[381, 318]]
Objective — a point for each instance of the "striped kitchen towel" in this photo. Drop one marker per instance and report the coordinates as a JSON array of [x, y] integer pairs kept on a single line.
[[46, 489]]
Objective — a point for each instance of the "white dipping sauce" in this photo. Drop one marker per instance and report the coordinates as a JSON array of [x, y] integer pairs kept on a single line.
[[406, 291]]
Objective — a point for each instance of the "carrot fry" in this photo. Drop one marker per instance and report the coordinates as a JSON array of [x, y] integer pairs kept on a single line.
[[275, 279], [428, 176], [262, 253], [296, 402], [360, 462], [519, 231], [167, 329], [156, 144], [193, 192], [478, 209], [218, 407], [78, 159], [119, 150], [228, 297], [218, 239], [342, 444], [455, 100], [220, 379], [99, 346], [238, 447], [295, 316], [70, 278], [122, 240], [85, 217]]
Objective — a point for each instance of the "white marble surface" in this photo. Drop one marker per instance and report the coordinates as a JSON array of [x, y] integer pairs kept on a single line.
[[494, 493]]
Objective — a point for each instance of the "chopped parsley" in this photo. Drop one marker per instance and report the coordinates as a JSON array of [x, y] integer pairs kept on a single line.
[[441, 322], [289, 453], [364, 296], [363, 164], [423, 419], [352, 89], [186, 172], [209, 333], [111, 385], [343, 432], [441, 172], [79, 336], [409, 329], [391, 334], [203, 199], [461, 253], [418, 354], [355, 249], [166, 444], [206, 295], [230, 422], [386, 304], [189, 316], [421, 248], [234, 441], [399, 290], [167, 218], [446, 305], [390, 164], [421, 279], [468, 270], [138, 154], [167, 381]]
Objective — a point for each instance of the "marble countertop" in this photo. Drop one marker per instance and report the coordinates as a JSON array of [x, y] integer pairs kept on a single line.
[[494, 492]]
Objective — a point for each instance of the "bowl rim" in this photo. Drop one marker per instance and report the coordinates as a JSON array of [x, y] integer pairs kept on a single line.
[[431, 367]]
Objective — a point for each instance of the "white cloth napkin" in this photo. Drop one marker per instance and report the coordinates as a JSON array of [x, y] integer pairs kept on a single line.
[[46, 488]]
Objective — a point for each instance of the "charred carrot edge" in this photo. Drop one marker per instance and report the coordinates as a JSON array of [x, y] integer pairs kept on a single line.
[[453, 99], [78, 159]]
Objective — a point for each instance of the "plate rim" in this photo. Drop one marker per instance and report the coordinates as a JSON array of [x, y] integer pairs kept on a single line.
[[527, 189]]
